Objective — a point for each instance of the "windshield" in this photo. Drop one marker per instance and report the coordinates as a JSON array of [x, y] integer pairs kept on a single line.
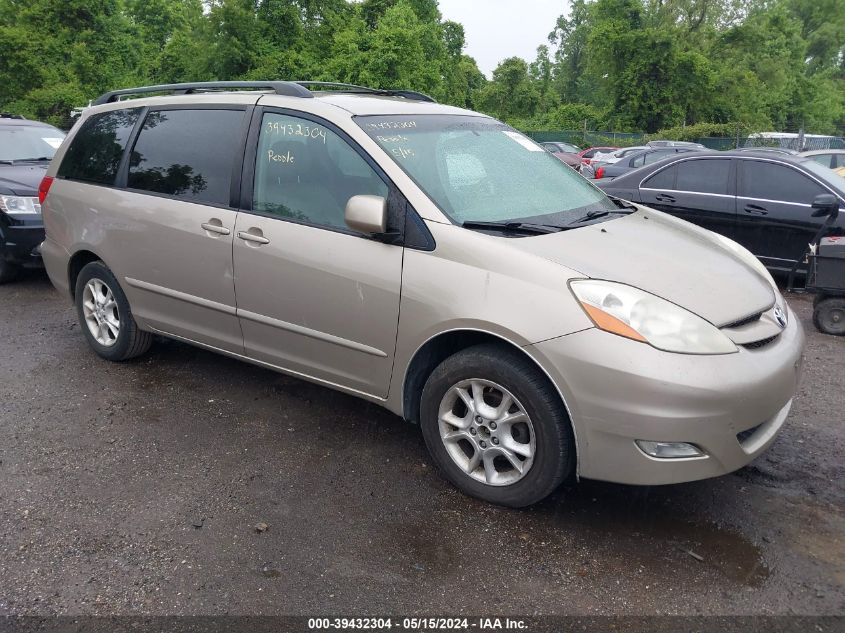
[[27, 142], [477, 169]]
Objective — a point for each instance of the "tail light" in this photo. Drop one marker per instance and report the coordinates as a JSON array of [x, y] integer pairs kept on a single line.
[[44, 188], [600, 173]]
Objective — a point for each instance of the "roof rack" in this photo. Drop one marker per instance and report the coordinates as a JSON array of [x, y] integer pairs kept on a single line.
[[285, 88], [9, 115], [354, 89]]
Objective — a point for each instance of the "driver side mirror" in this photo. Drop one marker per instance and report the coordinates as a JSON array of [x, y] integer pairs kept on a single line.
[[366, 214], [825, 204]]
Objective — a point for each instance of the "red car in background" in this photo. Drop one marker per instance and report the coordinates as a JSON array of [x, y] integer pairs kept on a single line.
[[567, 152]]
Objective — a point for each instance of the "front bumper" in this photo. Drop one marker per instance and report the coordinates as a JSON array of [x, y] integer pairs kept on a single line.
[[617, 391], [20, 243]]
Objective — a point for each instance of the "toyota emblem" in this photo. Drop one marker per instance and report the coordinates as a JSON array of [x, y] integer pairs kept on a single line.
[[780, 315]]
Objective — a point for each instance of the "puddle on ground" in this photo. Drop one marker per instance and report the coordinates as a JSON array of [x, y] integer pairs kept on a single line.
[[644, 520], [592, 530]]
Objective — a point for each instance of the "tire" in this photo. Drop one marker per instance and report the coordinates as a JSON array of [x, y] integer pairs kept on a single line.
[[829, 316], [8, 271], [120, 338], [491, 370]]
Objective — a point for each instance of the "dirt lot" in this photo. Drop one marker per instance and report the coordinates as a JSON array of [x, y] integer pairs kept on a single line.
[[136, 489]]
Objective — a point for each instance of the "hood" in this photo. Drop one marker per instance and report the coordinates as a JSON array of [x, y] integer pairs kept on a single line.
[[22, 180], [667, 257]]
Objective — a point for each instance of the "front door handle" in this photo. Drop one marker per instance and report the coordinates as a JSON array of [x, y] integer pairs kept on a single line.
[[755, 209], [664, 197], [253, 235], [215, 226]]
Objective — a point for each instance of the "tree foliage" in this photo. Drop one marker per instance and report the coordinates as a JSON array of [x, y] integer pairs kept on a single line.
[[638, 65]]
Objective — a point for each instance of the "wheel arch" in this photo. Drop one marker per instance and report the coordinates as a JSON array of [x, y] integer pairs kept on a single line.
[[76, 263], [440, 346]]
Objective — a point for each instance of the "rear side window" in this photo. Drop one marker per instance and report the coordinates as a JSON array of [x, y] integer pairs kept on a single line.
[[188, 154], [770, 181], [704, 176], [95, 152]]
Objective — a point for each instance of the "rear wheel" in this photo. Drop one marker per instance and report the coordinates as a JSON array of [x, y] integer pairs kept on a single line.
[[105, 317], [496, 427], [829, 316]]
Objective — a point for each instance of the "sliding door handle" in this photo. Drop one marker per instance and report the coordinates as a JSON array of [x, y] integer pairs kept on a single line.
[[257, 238], [212, 227]]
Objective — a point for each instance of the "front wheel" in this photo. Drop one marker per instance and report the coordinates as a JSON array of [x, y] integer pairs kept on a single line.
[[496, 427], [105, 317]]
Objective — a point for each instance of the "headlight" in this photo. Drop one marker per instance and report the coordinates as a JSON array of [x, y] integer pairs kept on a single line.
[[20, 205], [640, 316]]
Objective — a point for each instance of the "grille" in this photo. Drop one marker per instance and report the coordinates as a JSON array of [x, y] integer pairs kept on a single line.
[[761, 343], [745, 321]]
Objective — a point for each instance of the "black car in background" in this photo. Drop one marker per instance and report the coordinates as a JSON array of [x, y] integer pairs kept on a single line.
[[26, 148], [760, 199]]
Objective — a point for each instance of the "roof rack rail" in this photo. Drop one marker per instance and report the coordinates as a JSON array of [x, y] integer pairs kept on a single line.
[[353, 89], [286, 88]]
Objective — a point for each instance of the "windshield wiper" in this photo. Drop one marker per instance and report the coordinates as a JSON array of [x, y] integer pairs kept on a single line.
[[520, 227], [33, 160], [623, 204], [624, 208]]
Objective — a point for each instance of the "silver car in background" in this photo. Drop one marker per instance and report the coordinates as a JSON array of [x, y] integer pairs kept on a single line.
[[431, 260]]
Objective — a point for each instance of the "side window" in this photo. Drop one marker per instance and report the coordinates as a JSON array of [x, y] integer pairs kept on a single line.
[[97, 148], [704, 175], [188, 154], [306, 172], [653, 157], [664, 179], [770, 181], [638, 161]]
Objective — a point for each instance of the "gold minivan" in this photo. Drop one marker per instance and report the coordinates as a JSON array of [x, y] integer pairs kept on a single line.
[[429, 259]]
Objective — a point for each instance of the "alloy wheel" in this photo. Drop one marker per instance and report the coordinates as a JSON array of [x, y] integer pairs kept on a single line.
[[99, 308], [487, 432]]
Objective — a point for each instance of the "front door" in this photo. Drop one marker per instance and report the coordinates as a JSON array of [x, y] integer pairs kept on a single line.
[[314, 297]]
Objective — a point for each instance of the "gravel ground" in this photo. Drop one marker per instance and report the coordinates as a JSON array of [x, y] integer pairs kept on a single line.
[[136, 488]]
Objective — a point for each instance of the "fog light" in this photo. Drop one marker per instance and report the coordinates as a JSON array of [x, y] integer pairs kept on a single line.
[[669, 450]]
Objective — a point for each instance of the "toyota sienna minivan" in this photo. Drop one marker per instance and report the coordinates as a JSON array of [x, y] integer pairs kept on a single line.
[[429, 259]]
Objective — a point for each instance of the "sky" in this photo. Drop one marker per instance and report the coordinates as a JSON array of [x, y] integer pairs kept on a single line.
[[497, 29]]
